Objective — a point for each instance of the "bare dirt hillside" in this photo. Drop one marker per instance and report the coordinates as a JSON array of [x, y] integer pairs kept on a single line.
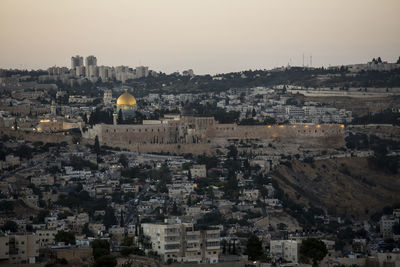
[[359, 106], [347, 187]]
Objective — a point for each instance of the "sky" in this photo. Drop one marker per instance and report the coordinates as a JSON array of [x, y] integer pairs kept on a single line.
[[208, 36]]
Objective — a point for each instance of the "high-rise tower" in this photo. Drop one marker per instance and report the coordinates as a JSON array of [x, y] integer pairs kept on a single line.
[[76, 61], [91, 66]]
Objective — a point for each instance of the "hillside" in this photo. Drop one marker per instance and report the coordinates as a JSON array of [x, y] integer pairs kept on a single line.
[[347, 187], [359, 106]]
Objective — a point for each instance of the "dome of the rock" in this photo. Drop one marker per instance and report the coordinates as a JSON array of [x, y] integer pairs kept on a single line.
[[126, 99]]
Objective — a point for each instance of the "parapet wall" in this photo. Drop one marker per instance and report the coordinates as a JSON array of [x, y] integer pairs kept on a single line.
[[36, 137], [197, 137], [278, 131], [196, 149]]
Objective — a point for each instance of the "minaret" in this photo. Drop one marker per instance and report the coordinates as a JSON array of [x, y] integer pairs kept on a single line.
[[115, 116], [53, 109]]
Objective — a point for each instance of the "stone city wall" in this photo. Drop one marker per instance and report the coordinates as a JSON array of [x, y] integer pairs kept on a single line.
[[279, 131], [36, 137], [196, 149], [179, 136]]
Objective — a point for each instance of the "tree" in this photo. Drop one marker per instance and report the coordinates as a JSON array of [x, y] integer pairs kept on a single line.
[[312, 249], [126, 251], [109, 217], [6, 206], [282, 226], [132, 250], [269, 120], [120, 119], [106, 261], [231, 188], [128, 241], [41, 215], [85, 119], [67, 237], [223, 242], [10, 226], [254, 248], [86, 231], [396, 229], [101, 116], [233, 152], [97, 145], [175, 211], [100, 248], [123, 160]]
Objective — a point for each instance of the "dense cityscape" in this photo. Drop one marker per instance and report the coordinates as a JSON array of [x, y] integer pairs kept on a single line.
[[179, 133], [100, 168]]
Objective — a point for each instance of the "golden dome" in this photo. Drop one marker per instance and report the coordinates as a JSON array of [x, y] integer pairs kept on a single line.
[[126, 99]]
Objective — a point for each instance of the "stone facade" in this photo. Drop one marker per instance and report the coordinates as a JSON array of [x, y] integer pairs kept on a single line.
[[188, 134]]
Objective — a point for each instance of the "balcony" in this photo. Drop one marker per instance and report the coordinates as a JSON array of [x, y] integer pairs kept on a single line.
[[213, 245], [172, 240], [172, 248], [193, 246]]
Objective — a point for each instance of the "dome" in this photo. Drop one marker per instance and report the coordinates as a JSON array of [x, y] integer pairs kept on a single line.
[[126, 99]]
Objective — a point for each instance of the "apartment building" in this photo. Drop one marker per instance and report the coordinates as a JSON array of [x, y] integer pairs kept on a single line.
[[180, 242], [198, 171], [386, 225], [250, 194], [22, 248], [46, 237], [4, 247], [43, 180], [180, 190], [287, 250]]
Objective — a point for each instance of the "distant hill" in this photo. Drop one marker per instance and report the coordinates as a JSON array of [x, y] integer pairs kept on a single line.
[[346, 187]]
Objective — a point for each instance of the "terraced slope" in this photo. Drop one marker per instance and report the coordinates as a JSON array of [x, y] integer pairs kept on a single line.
[[347, 187]]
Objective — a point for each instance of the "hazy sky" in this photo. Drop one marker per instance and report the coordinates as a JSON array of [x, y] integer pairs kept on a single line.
[[209, 36]]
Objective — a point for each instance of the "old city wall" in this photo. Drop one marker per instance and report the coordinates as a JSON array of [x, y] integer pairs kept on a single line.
[[174, 132], [36, 137], [196, 135], [24, 109], [16, 110], [122, 135], [283, 132], [196, 149]]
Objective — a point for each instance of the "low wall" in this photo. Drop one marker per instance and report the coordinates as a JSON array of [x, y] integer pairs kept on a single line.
[[36, 137], [75, 256], [196, 149]]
